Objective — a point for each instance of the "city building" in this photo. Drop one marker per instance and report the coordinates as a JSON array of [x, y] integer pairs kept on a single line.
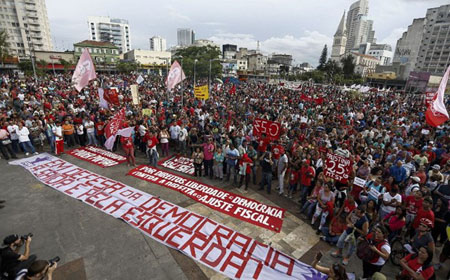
[[339, 41], [434, 52], [113, 30], [242, 53], [185, 36], [283, 59], [229, 51], [359, 27], [153, 61], [158, 44], [364, 64], [102, 53], [383, 52], [55, 59], [27, 26], [257, 63], [204, 43]]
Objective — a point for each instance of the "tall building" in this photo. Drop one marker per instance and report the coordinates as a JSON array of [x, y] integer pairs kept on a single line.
[[359, 27], [229, 51], [113, 30], [339, 41], [383, 52], [185, 37], [27, 26], [434, 52], [158, 44]]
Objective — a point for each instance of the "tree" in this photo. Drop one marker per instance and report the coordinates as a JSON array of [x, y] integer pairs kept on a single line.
[[348, 65], [187, 57], [127, 66], [66, 64], [4, 46], [331, 68], [323, 58]]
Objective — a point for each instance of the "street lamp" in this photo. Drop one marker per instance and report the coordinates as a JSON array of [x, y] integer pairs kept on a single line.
[[195, 63], [209, 77]]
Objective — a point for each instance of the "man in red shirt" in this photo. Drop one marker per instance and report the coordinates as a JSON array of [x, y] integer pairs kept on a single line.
[[425, 212], [152, 141], [307, 173], [263, 142], [100, 130], [413, 204]]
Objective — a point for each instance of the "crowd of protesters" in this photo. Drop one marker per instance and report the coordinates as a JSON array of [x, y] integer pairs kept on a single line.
[[404, 162]]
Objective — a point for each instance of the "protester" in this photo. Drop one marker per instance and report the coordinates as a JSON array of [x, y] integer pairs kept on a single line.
[[381, 248], [418, 264], [12, 261], [38, 270], [198, 157], [24, 140]]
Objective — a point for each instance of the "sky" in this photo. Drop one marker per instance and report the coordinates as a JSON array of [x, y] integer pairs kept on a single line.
[[297, 27]]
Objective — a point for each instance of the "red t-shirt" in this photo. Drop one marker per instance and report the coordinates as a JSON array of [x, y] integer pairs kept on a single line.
[[293, 177], [306, 175], [100, 127], [151, 141], [276, 151], [127, 142], [417, 267], [262, 144], [347, 207], [413, 205], [423, 214]]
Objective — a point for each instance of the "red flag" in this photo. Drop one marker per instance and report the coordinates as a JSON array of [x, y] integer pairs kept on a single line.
[[436, 113], [111, 96], [84, 72], [175, 76], [232, 90], [319, 101], [113, 126]]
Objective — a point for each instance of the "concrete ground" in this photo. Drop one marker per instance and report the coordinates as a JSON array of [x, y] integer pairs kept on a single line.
[[93, 245]]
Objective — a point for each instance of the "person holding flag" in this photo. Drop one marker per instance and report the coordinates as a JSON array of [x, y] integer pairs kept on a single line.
[[84, 72], [436, 113]]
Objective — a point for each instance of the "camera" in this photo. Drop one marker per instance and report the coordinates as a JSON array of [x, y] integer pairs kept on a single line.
[[25, 237], [54, 260]]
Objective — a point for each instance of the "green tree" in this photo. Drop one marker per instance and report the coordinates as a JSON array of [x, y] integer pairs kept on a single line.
[[331, 68], [127, 66], [26, 67], [323, 58], [187, 57], [4, 46], [348, 66], [66, 64]]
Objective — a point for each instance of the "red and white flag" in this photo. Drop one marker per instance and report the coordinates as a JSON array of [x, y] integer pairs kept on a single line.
[[84, 72], [437, 113], [112, 128], [176, 75], [103, 102]]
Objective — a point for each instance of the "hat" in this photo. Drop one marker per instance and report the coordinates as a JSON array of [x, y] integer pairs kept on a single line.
[[415, 189], [10, 239], [436, 167], [426, 222], [415, 179]]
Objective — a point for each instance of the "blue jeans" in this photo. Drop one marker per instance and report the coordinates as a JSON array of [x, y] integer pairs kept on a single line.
[[341, 244], [91, 139], [309, 206], [153, 157], [329, 238], [266, 179], [27, 147], [231, 169]]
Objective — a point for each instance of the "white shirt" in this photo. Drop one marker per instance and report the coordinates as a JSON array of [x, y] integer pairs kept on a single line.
[[380, 260], [57, 130], [183, 134], [89, 129], [282, 162], [12, 131], [80, 130], [388, 198], [23, 134], [174, 130]]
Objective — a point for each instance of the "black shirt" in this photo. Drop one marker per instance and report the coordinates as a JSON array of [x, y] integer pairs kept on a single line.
[[10, 259], [266, 166]]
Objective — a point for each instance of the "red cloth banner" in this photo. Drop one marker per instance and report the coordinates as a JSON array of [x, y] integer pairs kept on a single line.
[[97, 156], [270, 128], [179, 163], [337, 167], [429, 96], [215, 245], [111, 96], [113, 126], [240, 207]]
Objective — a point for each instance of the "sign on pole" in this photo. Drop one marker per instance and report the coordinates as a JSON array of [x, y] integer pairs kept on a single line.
[[201, 92], [337, 167], [271, 129], [135, 94]]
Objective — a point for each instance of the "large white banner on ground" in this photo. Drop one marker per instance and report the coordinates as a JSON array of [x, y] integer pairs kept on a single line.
[[217, 246]]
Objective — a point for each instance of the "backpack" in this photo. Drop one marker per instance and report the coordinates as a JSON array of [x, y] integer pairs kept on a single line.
[[363, 250]]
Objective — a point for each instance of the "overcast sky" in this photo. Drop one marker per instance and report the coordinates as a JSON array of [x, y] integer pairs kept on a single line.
[[297, 27]]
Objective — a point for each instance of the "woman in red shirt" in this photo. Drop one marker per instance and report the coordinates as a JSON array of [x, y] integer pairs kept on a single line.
[[128, 147], [418, 266], [395, 221]]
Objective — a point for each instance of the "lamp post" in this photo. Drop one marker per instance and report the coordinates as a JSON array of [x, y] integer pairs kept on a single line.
[[30, 42], [195, 64], [209, 77]]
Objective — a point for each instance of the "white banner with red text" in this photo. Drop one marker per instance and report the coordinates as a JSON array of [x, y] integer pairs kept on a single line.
[[240, 207], [178, 163], [97, 156], [217, 246]]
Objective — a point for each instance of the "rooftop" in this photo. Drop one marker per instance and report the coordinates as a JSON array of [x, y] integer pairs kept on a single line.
[[90, 43]]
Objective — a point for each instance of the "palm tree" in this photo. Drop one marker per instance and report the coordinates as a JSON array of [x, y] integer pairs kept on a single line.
[[4, 46]]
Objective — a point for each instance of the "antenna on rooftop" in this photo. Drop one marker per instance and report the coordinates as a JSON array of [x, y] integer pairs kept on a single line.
[[257, 45]]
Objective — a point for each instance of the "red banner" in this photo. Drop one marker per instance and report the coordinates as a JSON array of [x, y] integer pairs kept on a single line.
[[271, 129], [179, 163], [97, 156], [113, 125], [219, 247], [243, 208], [337, 167]]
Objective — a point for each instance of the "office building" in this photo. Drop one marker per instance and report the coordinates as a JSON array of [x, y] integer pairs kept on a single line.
[[113, 30], [359, 27], [229, 51], [158, 44], [185, 37], [27, 26]]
